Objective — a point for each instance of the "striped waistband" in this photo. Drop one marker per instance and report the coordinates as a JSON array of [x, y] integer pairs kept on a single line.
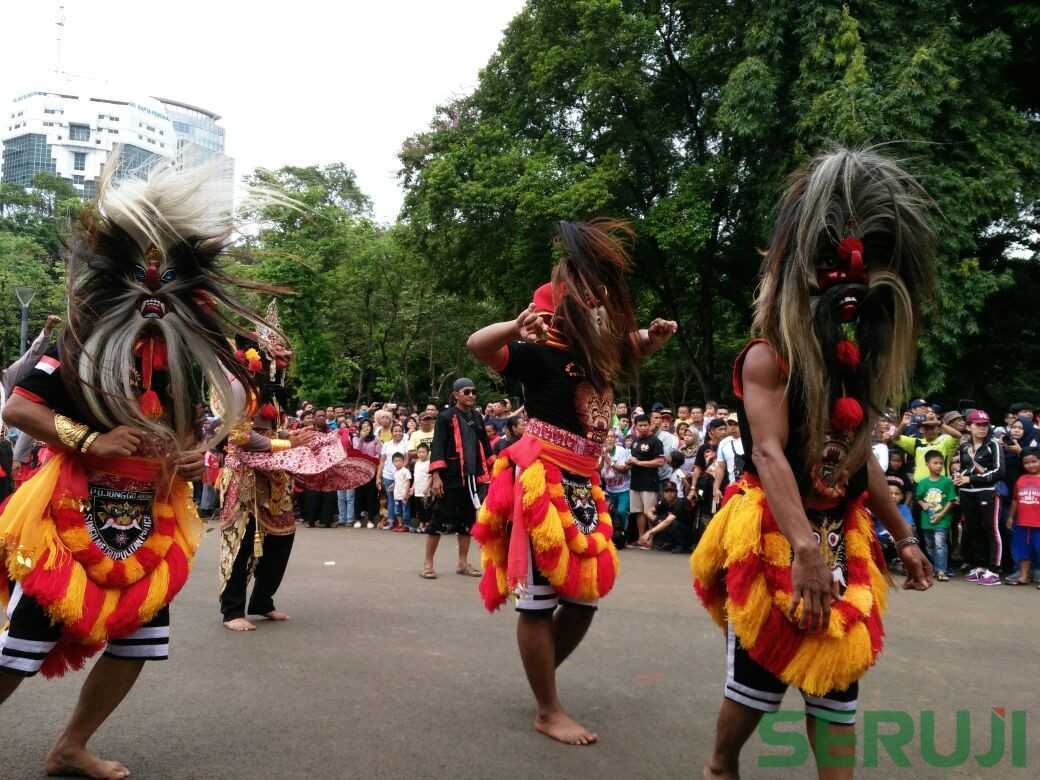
[[551, 434]]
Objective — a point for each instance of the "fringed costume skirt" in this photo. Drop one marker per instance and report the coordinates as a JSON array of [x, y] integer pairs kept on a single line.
[[100, 545], [545, 502], [742, 573]]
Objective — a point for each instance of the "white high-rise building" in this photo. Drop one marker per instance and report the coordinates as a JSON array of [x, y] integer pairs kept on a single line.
[[72, 130]]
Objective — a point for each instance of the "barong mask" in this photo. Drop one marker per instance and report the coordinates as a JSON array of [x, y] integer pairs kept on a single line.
[[852, 251], [150, 307]]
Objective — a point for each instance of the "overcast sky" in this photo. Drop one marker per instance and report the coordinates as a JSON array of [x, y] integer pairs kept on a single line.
[[300, 82]]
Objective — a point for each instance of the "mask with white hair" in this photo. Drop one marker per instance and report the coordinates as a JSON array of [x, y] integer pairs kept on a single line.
[[150, 309]]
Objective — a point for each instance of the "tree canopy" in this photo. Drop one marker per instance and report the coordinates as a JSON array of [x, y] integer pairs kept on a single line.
[[686, 117]]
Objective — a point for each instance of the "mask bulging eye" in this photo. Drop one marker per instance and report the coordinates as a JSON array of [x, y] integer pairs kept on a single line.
[[169, 276], [139, 273]]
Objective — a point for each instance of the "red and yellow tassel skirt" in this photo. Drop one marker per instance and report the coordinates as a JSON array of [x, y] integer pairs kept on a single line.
[[46, 547], [526, 499], [742, 573]]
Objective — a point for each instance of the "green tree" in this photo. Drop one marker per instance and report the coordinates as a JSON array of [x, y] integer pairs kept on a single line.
[[365, 316], [685, 117], [24, 263]]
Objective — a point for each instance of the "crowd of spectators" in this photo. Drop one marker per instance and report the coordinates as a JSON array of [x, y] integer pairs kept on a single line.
[[970, 488], [969, 485]]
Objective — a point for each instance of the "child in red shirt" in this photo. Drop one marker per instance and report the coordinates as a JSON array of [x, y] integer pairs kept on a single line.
[[1024, 517]]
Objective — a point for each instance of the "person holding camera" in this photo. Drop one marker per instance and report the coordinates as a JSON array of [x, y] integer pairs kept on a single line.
[[933, 435]]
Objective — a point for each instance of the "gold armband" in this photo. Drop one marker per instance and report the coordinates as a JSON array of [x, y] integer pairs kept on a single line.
[[88, 441], [280, 445], [70, 432]]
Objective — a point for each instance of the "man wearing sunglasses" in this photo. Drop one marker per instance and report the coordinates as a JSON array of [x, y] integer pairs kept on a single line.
[[460, 468]]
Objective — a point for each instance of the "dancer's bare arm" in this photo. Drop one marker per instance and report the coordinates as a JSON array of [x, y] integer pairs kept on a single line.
[[37, 420], [655, 336], [488, 344], [879, 501], [765, 405]]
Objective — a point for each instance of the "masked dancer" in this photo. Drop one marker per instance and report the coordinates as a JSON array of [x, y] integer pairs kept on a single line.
[[790, 568], [95, 547], [545, 530], [257, 522]]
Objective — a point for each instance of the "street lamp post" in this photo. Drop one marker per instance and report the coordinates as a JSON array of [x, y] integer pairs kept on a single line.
[[25, 296]]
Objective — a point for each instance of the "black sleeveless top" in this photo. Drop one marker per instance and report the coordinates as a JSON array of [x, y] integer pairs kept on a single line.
[[794, 450]]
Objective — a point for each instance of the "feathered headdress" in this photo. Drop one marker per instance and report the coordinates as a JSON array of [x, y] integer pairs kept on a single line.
[[150, 309]]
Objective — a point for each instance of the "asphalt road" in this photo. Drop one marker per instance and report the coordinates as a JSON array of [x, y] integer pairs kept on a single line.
[[381, 674]]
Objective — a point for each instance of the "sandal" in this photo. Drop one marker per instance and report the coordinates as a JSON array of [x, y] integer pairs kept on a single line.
[[428, 574], [469, 571]]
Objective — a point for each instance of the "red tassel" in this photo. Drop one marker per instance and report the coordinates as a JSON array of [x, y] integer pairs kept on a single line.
[[151, 406], [67, 655], [240, 356], [848, 247], [269, 412], [848, 356], [846, 415], [159, 359], [255, 366]]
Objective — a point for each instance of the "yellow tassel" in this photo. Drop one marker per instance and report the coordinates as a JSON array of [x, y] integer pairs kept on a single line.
[[857, 545], [749, 618], [743, 534], [548, 533], [189, 524], [709, 557], [533, 481], [559, 575], [776, 550], [822, 664], [879, 585], [99, 632], [588, 589], [69, 608], [134, 570], [27, 531], [501, 464], [860, 597], [99, 571], [77, 539], [158, 584]]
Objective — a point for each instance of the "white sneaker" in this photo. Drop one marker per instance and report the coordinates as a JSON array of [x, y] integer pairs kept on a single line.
[[357, 523], [371, 524]]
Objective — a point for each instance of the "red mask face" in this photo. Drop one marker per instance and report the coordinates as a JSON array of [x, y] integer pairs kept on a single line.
[[849, 269]]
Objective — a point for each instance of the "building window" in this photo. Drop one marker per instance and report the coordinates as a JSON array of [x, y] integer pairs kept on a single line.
[[78, 180], [79, 132], [79, 161], [26, 156]]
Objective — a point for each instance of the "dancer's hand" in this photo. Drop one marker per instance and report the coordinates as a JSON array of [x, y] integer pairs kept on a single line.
[[120, 442], [301, 437], [189, 465], [531, 327], [436, 485], [812, 586], [919, 572], [660, 331]]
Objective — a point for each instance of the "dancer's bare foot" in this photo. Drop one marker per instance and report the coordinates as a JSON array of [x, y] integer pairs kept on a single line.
[[563, 728], [80, 762], [713, 774], [275, 614], [239, 624]]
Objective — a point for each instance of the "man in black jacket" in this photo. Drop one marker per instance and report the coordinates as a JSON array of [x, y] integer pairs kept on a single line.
[[460, 468]]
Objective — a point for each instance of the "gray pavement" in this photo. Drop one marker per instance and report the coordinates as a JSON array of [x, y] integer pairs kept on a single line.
[[381, 674]]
